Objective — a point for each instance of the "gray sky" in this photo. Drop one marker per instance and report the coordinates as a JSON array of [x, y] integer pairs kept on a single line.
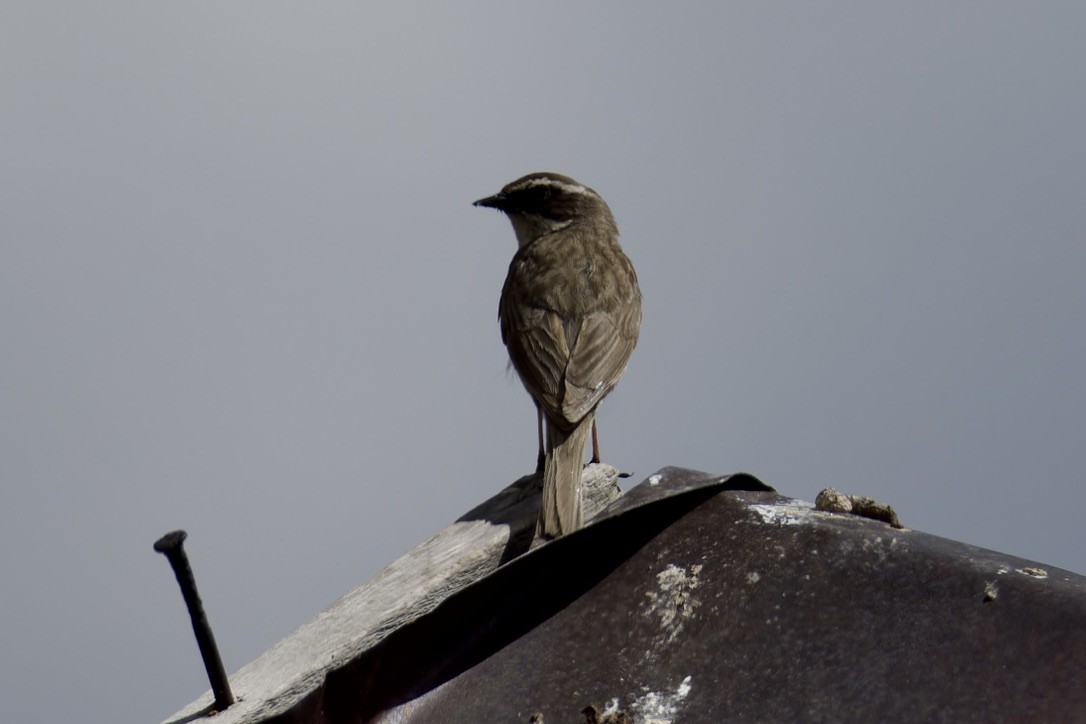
[[243, 290]]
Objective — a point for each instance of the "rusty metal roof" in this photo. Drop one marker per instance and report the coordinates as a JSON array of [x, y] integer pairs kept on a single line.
[[688, 600]]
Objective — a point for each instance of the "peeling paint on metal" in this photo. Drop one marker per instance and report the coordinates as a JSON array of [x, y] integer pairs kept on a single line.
[[674, 602], [792, 513], [660, 707], [1033, 572]]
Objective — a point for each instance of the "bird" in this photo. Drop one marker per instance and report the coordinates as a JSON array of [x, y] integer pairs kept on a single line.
[[570, 317]]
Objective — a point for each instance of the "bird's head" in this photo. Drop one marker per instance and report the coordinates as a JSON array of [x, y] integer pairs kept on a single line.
[[543, 203]]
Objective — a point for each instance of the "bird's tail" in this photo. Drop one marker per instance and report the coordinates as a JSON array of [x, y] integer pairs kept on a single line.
[[561, 510]]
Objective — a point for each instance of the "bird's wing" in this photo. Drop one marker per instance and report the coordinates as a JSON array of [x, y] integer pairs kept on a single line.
[[568, 366], [600, 349], [537, 347]]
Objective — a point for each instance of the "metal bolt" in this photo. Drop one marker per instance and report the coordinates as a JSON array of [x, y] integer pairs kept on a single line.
[[170, 545]]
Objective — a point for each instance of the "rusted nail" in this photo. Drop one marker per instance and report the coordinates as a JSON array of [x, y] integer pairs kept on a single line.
[[170, 545]]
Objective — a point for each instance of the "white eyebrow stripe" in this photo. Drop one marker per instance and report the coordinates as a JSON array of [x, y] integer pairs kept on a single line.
[[569, 188]]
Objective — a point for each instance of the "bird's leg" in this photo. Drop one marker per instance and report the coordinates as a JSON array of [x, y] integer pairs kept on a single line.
[[595, 444], [539, 427]]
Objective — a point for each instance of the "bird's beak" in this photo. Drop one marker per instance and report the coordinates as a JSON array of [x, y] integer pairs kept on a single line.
[[497, 201]]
